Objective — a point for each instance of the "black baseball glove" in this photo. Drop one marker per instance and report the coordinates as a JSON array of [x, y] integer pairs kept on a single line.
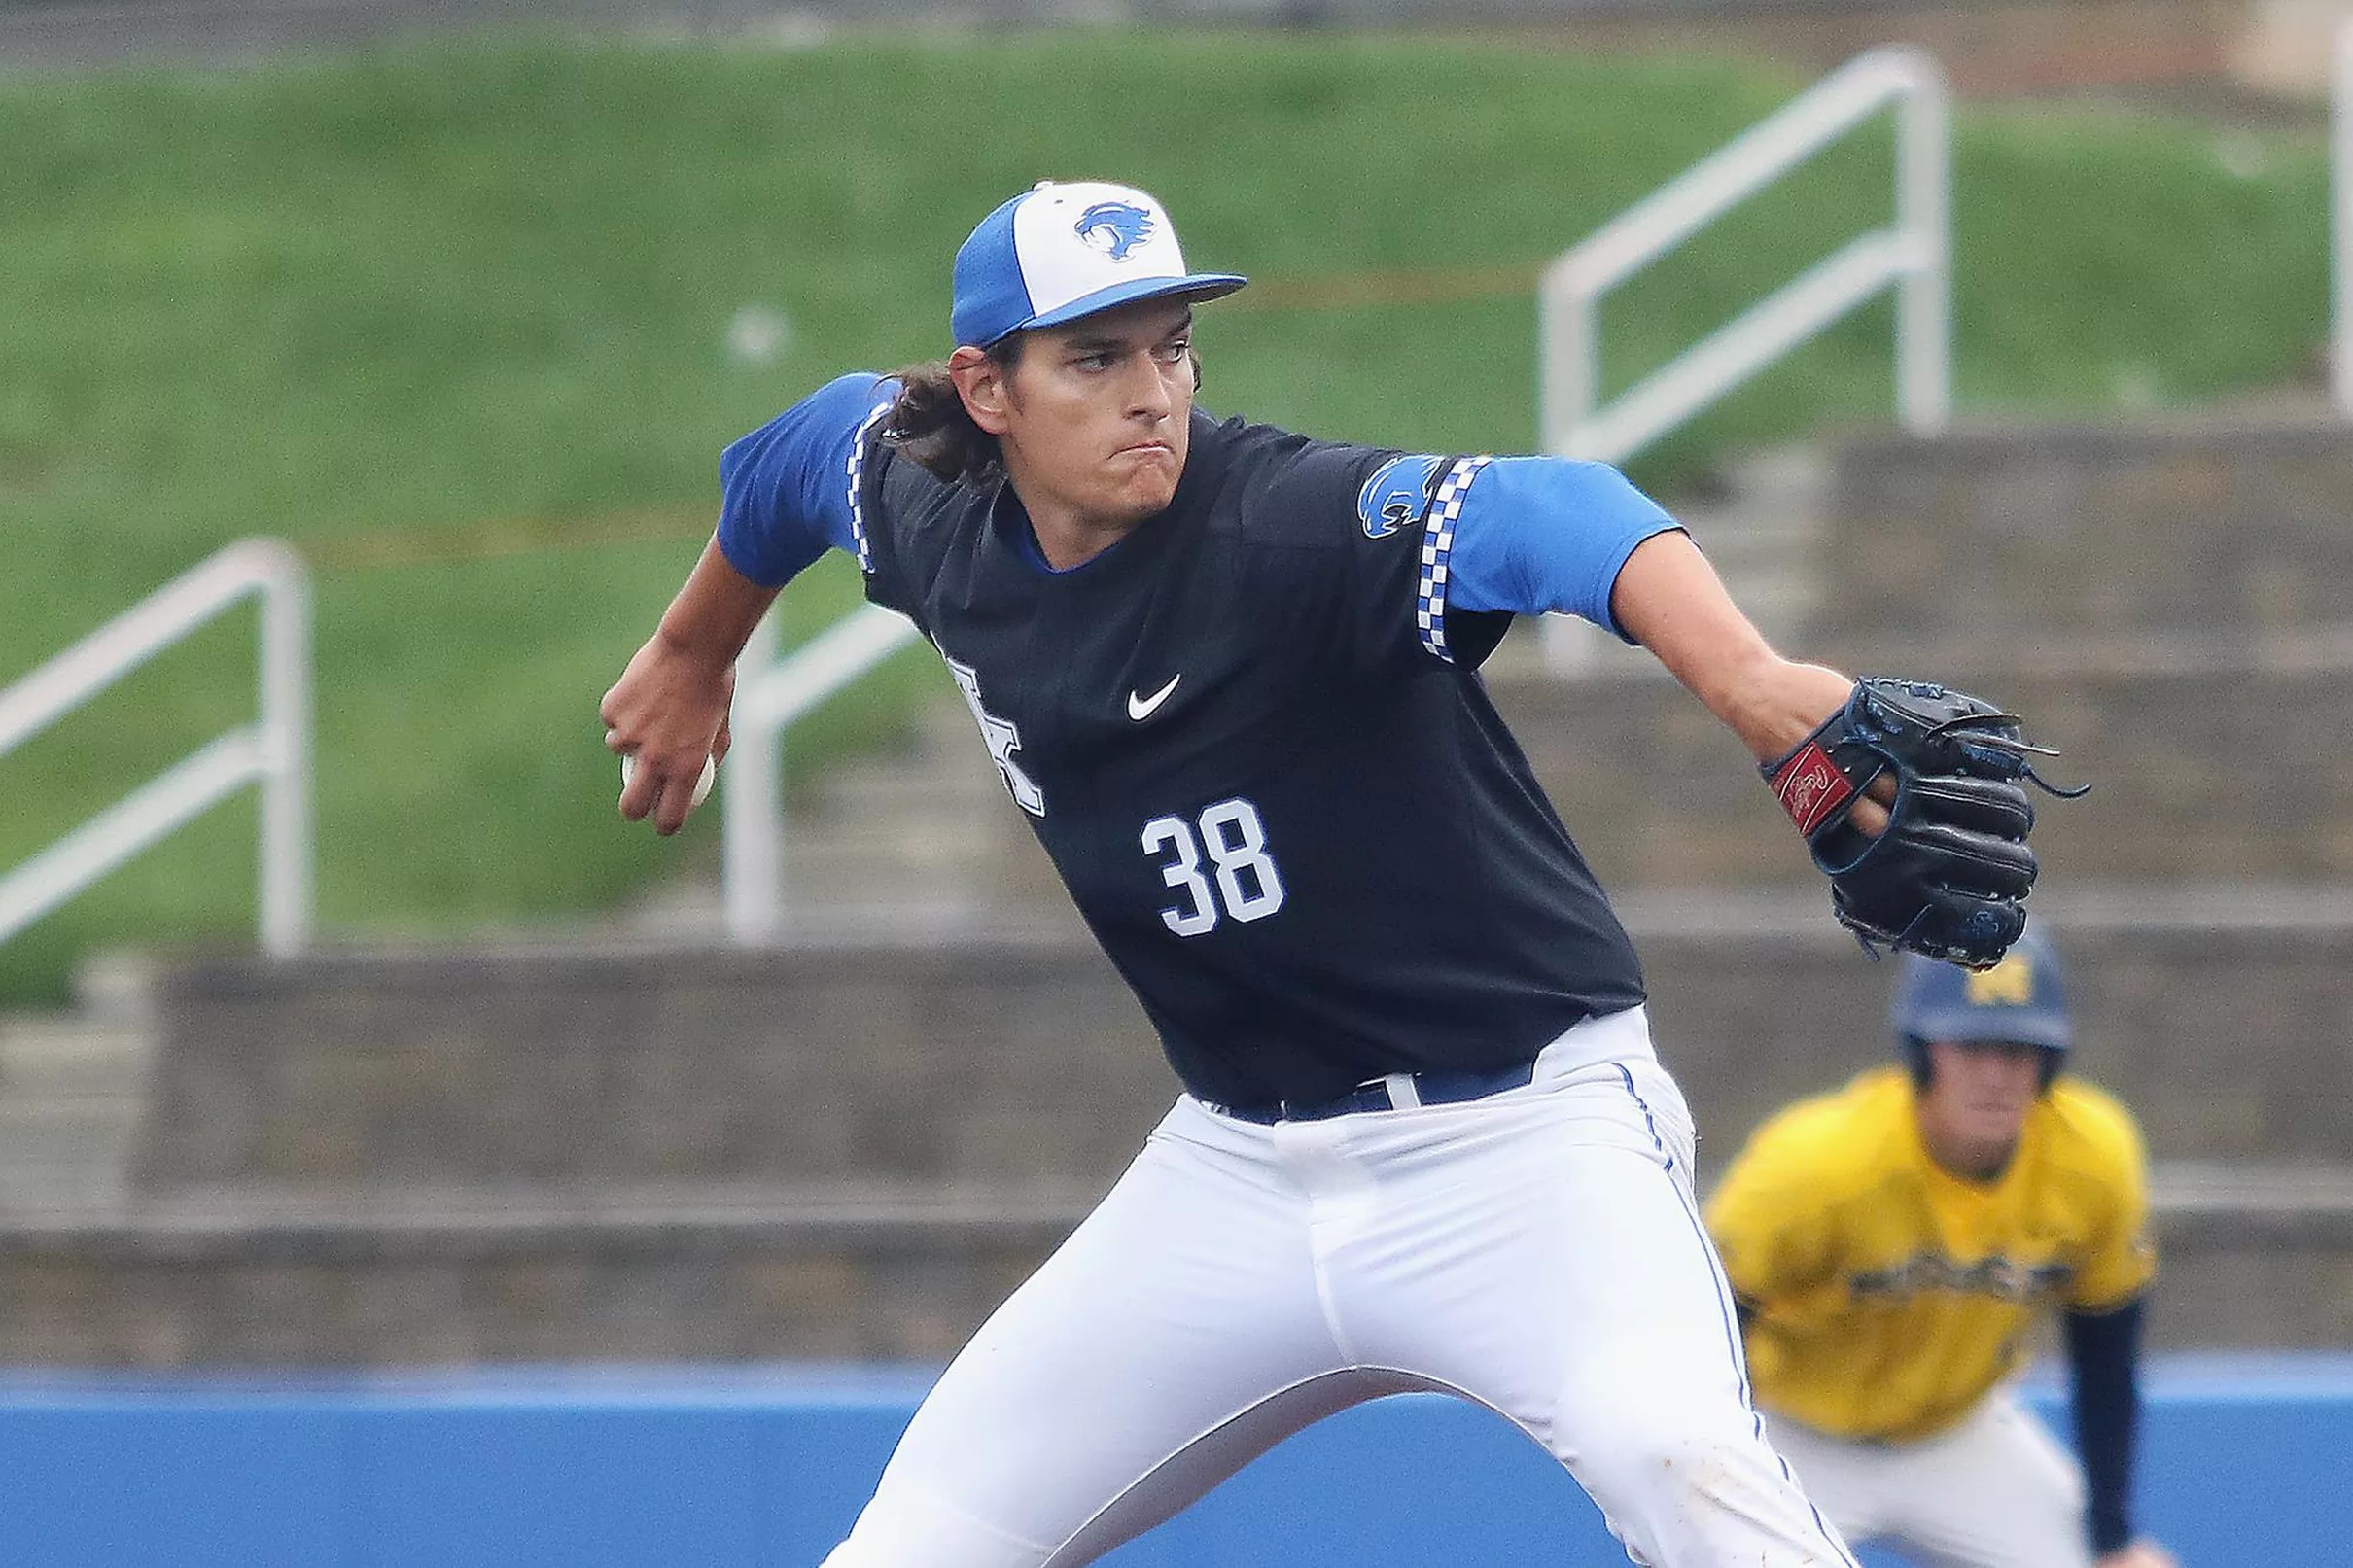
[[1949, 876]]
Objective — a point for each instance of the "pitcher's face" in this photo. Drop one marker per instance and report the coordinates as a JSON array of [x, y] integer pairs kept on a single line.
[[1095, 417]]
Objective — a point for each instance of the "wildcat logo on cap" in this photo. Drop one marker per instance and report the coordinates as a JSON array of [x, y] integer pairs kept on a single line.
[[1063, 249], [1114, 227]]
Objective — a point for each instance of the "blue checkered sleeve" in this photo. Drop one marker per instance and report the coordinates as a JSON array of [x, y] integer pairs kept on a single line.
[[790, 490], [1530, 535]]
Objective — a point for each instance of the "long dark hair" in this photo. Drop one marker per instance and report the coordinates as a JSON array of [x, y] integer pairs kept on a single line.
[[929, 423]]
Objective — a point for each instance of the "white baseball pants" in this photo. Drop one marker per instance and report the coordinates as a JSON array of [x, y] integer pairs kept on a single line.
[[1537, 1251], [1996, 1492]]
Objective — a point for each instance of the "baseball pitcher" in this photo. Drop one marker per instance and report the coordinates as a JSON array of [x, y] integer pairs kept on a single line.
[[1228, 675]]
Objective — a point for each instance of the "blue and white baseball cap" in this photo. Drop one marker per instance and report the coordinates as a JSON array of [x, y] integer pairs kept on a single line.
[[1061, 251]]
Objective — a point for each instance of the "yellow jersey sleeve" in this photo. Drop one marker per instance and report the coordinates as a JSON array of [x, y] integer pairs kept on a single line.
[[1776, 1235], [2108, 1173]]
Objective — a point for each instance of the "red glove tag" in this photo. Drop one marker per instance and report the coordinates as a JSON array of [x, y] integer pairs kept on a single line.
[[1810, 786]]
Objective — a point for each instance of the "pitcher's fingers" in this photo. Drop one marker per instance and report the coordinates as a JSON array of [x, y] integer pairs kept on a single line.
[[641, 790], [670, 811], [1869, 815]]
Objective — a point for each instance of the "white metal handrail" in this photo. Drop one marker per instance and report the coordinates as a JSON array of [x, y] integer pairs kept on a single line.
[[769, 697], [273, 751], [1913, 255], [2340, 244]]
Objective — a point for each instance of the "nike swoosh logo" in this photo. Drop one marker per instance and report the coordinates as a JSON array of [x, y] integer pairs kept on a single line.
[[1140, 709]]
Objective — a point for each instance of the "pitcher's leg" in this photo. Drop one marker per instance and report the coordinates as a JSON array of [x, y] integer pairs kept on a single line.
[[1654, 1417], [1580, 1297], [1173, 1337]]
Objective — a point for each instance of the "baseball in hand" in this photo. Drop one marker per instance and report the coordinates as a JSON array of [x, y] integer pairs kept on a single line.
[[702, 786]]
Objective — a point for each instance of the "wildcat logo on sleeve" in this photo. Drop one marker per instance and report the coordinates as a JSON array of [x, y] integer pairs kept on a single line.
[[1397, 495], [1810, 786]]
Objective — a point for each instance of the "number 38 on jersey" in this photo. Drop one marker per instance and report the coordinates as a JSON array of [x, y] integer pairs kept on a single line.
[[1218, 864]]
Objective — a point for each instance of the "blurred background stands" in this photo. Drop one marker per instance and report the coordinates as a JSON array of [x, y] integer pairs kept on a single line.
[[642, 1144]]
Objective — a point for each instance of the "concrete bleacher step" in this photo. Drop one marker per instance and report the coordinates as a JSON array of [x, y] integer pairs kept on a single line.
[[2221, 1017], [2233, 524], [1764, 536], [219, 1278], [2251, 1256], [72, 1096]]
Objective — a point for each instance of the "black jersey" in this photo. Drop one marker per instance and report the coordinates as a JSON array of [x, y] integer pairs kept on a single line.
[[1269, 776]]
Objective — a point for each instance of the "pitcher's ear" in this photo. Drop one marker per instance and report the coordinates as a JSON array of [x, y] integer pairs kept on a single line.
[[985, 386]]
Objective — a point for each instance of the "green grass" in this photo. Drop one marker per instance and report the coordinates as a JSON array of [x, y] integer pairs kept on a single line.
[[466, 308]]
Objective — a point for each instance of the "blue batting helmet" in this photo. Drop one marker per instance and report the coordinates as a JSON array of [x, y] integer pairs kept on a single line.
[[2023, 998]]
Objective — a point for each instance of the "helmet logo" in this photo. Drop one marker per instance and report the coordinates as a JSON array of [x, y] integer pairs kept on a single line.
[[1113, 227], [2008, 984]]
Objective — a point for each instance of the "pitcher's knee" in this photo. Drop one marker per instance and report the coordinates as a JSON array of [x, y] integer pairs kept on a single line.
[[1686, 1483], [1671, 1441], [1654, 1450]]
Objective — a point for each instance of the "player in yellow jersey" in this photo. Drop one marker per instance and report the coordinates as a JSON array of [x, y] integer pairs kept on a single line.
[[1889, 1245]]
